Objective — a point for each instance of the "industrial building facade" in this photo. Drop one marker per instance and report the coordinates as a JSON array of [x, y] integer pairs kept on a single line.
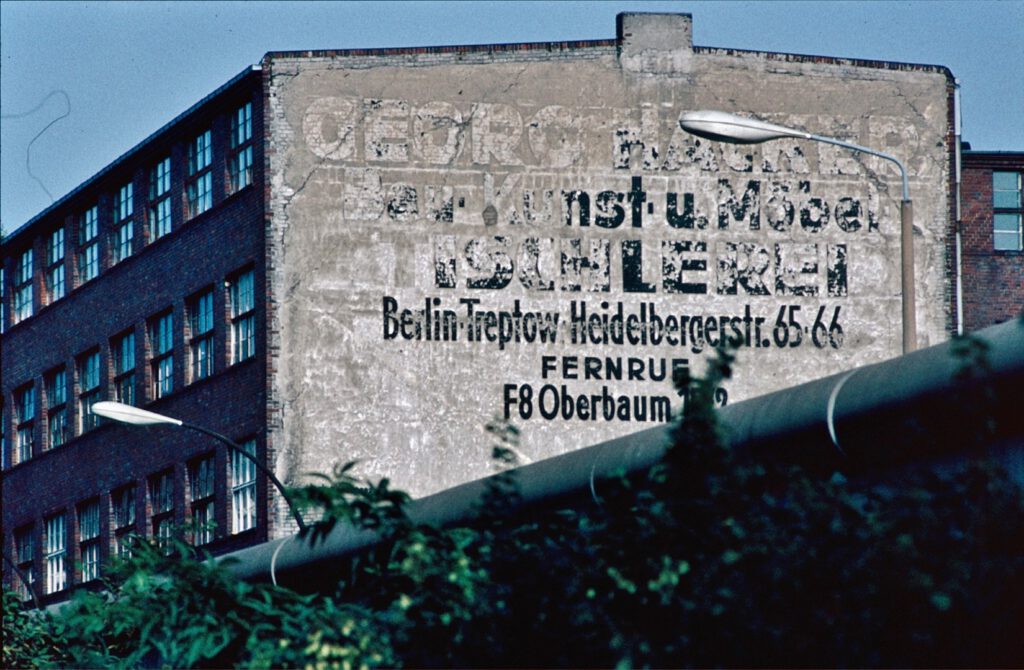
[[368, 255], [145, 286], [991, 214]]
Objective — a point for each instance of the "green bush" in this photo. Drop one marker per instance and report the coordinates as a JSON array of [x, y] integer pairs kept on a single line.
[[710, 558]]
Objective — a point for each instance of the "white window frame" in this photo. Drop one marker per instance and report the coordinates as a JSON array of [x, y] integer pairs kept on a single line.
[[25, 555], [202, 493], [89, 253], [241, 145], [23, 274], [123, 502], [200, 194], [123, 243], [162, 218], [202, 343], [241, 169], [123, 351], [243, 489], [90, 383], [241, 125], [56, 553], [161, 504], [200, 153], [124, 208], [162, 362], [199, 190], [1008, 216], [25, 414], [89, 539], [55, 284], [160, 202], [57, 408], [243, 316]]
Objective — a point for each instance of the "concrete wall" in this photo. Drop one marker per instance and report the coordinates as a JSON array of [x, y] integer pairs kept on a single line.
[[436, 212]]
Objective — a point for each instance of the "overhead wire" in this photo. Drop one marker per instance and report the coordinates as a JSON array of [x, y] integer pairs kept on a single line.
[[28, 149]]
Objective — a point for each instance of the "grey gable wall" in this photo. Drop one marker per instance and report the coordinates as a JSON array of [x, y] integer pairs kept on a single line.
[[433, 211]]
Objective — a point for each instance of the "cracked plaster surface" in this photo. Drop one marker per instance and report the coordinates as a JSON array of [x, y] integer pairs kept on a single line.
[[413, 410]]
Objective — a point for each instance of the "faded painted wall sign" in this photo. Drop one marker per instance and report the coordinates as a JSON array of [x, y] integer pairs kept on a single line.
[[527, 254], [751, 239]]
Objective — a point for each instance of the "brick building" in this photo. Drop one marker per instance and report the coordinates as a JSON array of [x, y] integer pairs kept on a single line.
[[365, 255], [145, 285], [991, 210]]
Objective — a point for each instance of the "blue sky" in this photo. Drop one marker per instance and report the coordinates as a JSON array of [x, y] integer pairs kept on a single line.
[[127, 68]]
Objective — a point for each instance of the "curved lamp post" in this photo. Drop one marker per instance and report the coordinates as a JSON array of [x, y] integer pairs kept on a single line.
[[725, 127], [139, 417]]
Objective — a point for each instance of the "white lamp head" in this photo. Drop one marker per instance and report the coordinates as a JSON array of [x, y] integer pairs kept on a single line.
[[725, 127], [132, 415]]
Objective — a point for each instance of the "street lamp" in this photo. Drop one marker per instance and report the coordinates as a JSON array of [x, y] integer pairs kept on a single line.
[[140, 417], [725, 127]]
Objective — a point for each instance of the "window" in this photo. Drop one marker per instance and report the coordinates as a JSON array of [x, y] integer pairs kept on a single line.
[[123, 349], [159, 200], [201, 343], [201, 475], [243, 489], [23, 287], [243, 317], [241, 126], [24, 419], [200, 153], [123, 210], [89, 252], [1008, 211], [56, 552], [89, 539], [199, 188], [123, 243], [241, 145], [123, 502], [55, 265], [161, 504], [161, 339], [57, 409], [241, 169], [25, 554], [123, 206], [90, 390]]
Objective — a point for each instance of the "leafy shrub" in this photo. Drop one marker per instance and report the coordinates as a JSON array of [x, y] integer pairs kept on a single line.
[[710, 558]]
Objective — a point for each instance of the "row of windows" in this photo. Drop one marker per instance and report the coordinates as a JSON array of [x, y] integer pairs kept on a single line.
[[1008, 214], [198, 197], [73, 542], [157, 380]]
